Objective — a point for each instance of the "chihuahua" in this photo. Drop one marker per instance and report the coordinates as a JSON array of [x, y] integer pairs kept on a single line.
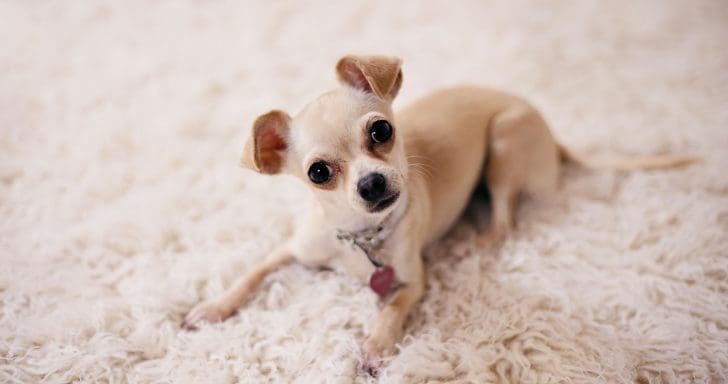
[[387, 185]]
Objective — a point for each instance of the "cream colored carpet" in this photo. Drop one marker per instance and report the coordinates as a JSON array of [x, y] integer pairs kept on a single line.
[[122, 205]]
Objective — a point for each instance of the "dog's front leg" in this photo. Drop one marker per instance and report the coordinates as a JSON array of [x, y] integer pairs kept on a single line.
[[389, 322], [238, 294]]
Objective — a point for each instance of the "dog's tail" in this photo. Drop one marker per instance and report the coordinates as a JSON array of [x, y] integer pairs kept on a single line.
[[626, 162]]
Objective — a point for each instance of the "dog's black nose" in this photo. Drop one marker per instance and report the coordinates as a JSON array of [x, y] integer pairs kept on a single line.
[[372, 187]]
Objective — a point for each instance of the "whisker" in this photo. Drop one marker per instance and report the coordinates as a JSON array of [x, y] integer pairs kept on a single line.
[[421, 170], [425, 165]]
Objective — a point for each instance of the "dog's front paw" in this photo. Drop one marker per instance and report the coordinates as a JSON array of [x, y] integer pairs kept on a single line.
[[374, 350], [205, 312]]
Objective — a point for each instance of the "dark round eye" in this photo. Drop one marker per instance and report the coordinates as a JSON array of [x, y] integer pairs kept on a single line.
[[380, 131], [319, 172]]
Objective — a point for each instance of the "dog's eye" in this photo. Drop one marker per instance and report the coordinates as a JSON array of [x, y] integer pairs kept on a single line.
[[319, 172], [380, 131]]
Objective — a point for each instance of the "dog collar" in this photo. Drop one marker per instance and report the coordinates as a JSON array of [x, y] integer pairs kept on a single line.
[[370, 241]]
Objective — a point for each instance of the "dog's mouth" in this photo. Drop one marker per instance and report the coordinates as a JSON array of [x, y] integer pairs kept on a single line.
[[384, 203]]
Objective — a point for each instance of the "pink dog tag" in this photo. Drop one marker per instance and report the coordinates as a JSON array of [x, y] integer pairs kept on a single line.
[[381, 280]]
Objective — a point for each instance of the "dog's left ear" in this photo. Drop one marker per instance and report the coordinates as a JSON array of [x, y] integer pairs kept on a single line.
[[380, 75], [266, 148]]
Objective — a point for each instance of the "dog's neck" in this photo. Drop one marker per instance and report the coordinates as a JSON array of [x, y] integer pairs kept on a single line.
[[371, 239]]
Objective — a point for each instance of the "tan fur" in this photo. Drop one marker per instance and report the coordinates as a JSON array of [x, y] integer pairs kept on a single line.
[[443, 146], [626, 163]]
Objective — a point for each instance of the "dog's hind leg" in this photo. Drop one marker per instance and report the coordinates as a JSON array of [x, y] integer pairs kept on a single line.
[[522, 156]]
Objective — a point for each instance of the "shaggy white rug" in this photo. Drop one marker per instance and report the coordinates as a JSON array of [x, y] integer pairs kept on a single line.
[[122, 205]]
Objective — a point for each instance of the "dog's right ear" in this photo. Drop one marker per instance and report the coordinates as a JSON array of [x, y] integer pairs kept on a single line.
[[266, 148], [379, 75]]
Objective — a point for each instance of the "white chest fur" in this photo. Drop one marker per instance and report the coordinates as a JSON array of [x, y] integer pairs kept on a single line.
[[318, 246]]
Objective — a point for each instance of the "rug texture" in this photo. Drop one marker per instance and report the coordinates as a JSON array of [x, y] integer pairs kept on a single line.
[[122, 204]]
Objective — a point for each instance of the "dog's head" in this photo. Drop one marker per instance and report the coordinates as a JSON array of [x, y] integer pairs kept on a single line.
[[344, 144]]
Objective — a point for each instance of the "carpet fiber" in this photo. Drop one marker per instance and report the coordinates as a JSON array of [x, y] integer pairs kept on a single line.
[[122, 205]]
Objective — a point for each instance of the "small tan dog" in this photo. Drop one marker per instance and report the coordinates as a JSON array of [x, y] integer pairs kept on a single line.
[[385, 186]]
